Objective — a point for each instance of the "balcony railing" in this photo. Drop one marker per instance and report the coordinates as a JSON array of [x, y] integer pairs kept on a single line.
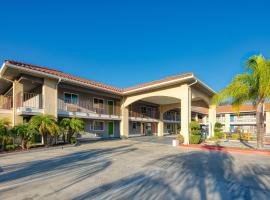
[[172, 117], [148, 115], [6, 102], [29, 100], [87, 107], [244, 119]]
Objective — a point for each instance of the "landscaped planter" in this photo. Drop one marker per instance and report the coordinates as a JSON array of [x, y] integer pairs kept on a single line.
[[175, 143]]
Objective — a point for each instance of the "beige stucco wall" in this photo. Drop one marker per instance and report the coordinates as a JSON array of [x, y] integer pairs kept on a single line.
[[267, 123], [49, 92], [17, 102]]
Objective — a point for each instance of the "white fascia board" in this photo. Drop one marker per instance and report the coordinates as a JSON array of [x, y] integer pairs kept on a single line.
[[205, 85], [159, 84], [3, 69], [62, 78]]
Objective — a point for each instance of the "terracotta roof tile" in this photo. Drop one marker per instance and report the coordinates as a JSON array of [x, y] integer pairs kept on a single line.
[[200, 110], [64, 75], [158, 81], [229, 108], [94, 83]]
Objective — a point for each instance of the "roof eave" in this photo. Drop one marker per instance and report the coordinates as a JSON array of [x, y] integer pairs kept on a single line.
[[63, 79]]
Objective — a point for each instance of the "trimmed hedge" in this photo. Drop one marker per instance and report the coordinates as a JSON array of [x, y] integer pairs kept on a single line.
[[195, 139]]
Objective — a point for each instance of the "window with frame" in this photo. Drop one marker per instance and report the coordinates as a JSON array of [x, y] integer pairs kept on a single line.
[[98, 126], [71, 98], [98, 103], [134, 125], [143, 110]]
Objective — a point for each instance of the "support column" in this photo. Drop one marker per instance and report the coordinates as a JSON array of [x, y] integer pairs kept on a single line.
[[17, 102], [161, 125], [267, 123], [196, 117], [185, 112], [49, 97], [227, 122], [124, 129], [212, 120]]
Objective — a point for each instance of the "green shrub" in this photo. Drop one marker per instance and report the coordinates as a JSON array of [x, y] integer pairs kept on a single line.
[[235, 136], [11, 147], [195, 139], [180, 138], [218, 130], [195, 128], [73, 140]]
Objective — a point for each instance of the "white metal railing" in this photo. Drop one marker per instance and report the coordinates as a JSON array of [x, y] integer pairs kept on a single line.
[[6, 102], [87, 107]]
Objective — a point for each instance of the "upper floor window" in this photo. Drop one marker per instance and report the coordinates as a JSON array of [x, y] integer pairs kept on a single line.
[[143, 110], [98, 103], [71, 98]]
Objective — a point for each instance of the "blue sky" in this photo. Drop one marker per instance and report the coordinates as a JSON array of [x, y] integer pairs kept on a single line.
[[125, 43]]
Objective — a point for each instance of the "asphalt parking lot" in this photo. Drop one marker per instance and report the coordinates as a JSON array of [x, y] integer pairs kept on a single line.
[[132, 169]]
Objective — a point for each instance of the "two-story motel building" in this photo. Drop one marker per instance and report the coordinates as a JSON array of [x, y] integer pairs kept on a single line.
[[154, 108]]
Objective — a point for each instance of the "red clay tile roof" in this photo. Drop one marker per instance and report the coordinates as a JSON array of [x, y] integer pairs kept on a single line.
[[98, 84], [229, 108], [200, 110], [158, 81], [64, 75]]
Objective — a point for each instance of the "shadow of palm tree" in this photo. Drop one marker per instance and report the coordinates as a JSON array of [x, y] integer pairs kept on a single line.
[[82, 164], [192, 175]]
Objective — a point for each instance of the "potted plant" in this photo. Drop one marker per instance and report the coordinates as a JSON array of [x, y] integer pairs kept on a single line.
[[179, 139]]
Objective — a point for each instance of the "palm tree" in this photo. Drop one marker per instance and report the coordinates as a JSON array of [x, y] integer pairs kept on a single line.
[[72, 126], [46, 126], [25, 132], [5, 133], [251, 86]]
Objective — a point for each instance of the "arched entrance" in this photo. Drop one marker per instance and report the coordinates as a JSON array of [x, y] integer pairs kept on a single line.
[[179, 97]]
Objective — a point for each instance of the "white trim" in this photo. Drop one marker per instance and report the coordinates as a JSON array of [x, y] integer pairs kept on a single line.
[[62, 78], [158, 84], [101, 88], [205, 85], [71, 94], [98, 121]]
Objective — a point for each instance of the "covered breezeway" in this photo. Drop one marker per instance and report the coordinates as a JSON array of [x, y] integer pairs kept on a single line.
[[179, 94]]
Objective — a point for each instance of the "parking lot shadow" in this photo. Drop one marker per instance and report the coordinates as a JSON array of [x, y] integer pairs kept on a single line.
[[191, 175]]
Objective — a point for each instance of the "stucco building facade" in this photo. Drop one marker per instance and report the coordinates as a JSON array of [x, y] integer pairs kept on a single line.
[[156, 108]]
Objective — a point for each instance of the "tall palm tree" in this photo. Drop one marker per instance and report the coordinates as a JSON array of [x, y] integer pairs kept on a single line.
[[5, 133], [72, 126], [251, 86], [46, 126]]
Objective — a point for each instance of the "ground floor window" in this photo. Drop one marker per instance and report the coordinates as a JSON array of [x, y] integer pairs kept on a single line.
[[134, 125], [98, 126]]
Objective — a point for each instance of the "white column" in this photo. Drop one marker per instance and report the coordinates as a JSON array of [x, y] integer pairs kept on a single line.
[[160, 125], [227, 122], [185, 112], [212, 120], [267, 123], [124, 128]]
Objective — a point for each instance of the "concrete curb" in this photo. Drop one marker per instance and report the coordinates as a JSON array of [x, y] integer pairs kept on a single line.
[[228, 150]]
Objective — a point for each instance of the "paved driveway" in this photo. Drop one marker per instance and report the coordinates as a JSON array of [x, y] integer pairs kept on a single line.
[[128, 169], [154, 139]]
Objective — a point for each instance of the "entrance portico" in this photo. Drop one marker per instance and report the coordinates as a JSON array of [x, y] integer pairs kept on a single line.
[[181, 93]]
